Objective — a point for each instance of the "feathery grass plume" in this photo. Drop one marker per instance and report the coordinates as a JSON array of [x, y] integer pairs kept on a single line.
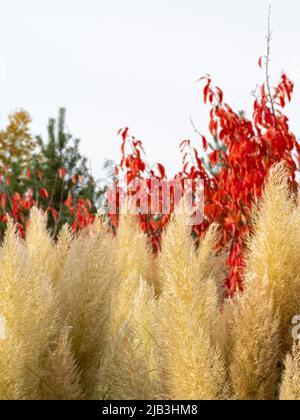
[[132, 251], [26, 304], [290, 387], [274, 251], [63, 245], [132, 261], [254, 345], [131, 366], [101, 224], [13, 298], [84, 284], [129, 264], [62, 379], [144, 321], [213, 265], [192, 365], [40, 247]]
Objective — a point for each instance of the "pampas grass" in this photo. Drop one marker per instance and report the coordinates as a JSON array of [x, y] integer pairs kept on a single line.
[[290, 388], [131, 370], [129, 353], [97, 316], [192, 364], [273, 256], [27, 303], [83, 290], [254, 351]]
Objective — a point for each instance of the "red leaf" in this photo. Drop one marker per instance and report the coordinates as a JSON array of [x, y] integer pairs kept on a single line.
[[54, 214], [214, 157], [220, 94], [184, 143], [123, 148], [141, 165], [204, 143], [124, 133], [28, 174], [206, 90], [162, 170], [44, 194], [62, 173], [88, 203], [68, 201]]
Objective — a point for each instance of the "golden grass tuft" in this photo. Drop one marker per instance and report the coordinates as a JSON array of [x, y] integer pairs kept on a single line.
[[290, 387], [192, 366]]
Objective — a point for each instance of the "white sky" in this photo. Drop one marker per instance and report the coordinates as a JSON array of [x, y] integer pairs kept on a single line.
[[115, 63]]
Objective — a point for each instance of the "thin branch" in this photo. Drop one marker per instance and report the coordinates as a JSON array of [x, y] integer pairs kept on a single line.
[[268, 60], [194, 126]]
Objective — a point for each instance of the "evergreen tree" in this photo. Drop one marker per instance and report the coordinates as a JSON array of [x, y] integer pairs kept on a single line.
[[56, 173]]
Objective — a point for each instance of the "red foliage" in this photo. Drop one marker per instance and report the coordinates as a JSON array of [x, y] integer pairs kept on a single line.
[[17, 207], [251, 148]]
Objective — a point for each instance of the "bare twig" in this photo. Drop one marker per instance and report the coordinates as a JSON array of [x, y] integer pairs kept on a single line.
[[194, 126], [268, 60]]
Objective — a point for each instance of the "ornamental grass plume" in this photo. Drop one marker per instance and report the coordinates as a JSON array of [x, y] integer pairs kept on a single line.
[[191, 362], [27, 305], [254, 347], [273, 255], [15, 310], [213, 265], [132, 261], [132, 251], [131, 365], [259, 320], [290, 387], [62, 379], [84, 289], [39, 244], [92, 316], [63, 245]]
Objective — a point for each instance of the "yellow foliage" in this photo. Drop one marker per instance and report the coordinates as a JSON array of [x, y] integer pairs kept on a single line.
[[16, 141]]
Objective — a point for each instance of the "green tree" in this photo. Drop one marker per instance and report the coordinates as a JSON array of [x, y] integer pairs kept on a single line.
[[55, 172]]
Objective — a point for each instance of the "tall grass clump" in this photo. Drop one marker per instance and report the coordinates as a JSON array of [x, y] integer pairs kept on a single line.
[[83, 289], [254, 347], [131, 370], [260, 319], [191, 361], [129, 353], [28, 305], [94, 315], [273, 254]]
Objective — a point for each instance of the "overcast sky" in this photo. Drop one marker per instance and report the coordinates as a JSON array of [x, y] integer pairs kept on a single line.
[[116, 63]]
